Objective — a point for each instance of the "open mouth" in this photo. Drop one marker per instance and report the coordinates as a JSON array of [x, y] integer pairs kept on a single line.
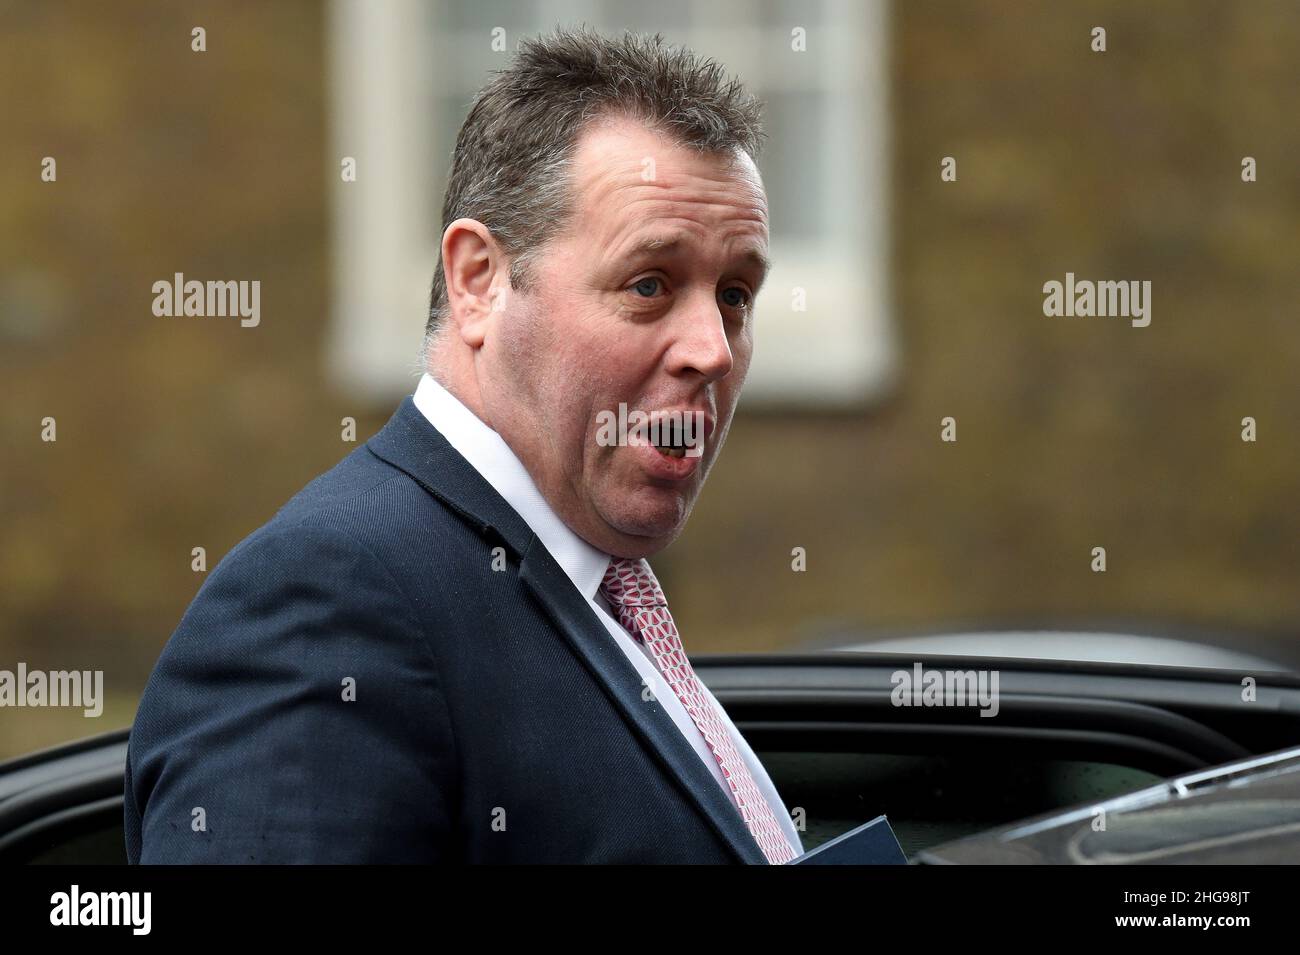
[[671, 441]]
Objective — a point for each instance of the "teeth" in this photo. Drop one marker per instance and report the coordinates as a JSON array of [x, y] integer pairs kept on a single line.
[[672, 452]]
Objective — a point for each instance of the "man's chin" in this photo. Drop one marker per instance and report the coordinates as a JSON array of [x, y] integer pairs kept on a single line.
[[641, 535]]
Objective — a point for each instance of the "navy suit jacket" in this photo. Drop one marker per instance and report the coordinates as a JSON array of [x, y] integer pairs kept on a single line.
[[493, 718]]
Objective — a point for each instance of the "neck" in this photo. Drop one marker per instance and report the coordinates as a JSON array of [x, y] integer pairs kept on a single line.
[[459, 381]]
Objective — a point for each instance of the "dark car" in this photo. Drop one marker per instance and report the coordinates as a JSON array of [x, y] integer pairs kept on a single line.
[[844, 744]]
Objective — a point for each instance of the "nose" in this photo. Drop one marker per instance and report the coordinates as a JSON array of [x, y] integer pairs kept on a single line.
[[701, 343]]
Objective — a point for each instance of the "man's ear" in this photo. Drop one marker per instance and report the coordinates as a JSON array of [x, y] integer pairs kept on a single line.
[[476, 273]]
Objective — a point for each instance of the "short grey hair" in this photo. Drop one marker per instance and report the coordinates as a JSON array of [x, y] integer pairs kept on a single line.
[[512, 162]]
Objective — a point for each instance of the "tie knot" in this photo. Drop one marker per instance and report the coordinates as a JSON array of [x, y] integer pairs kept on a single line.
[[631, 583]]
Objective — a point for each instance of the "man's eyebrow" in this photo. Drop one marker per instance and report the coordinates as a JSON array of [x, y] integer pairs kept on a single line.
[[760, 259], [652, 244]]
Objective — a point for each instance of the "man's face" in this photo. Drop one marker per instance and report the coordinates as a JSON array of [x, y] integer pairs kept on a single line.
[[608, 321]]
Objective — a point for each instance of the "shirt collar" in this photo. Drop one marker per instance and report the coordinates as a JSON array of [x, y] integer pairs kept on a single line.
[[488, 453]]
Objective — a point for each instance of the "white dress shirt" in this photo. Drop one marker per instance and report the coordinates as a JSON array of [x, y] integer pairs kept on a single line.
[[488, 453]]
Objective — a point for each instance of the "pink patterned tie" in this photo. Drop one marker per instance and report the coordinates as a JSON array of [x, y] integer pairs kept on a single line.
[[635, 594]]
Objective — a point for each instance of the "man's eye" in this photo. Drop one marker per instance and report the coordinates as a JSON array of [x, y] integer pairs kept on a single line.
[[740, 299], [647, 286]]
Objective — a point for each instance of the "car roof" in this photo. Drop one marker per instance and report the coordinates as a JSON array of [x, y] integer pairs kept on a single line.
[[1070, 645]]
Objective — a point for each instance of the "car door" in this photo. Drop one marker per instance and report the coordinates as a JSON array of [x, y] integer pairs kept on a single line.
[[64, 805], [841, 751]]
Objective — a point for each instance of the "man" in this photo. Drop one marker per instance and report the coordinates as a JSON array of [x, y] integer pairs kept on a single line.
[[450, 646]]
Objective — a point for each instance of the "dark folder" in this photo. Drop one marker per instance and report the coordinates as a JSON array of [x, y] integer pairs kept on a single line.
[[872, 843]]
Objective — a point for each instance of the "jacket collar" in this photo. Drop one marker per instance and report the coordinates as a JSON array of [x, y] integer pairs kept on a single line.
[[489, 454]]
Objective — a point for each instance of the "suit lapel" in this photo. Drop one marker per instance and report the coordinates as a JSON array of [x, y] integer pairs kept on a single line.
[[596, 648], [410, 443]]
